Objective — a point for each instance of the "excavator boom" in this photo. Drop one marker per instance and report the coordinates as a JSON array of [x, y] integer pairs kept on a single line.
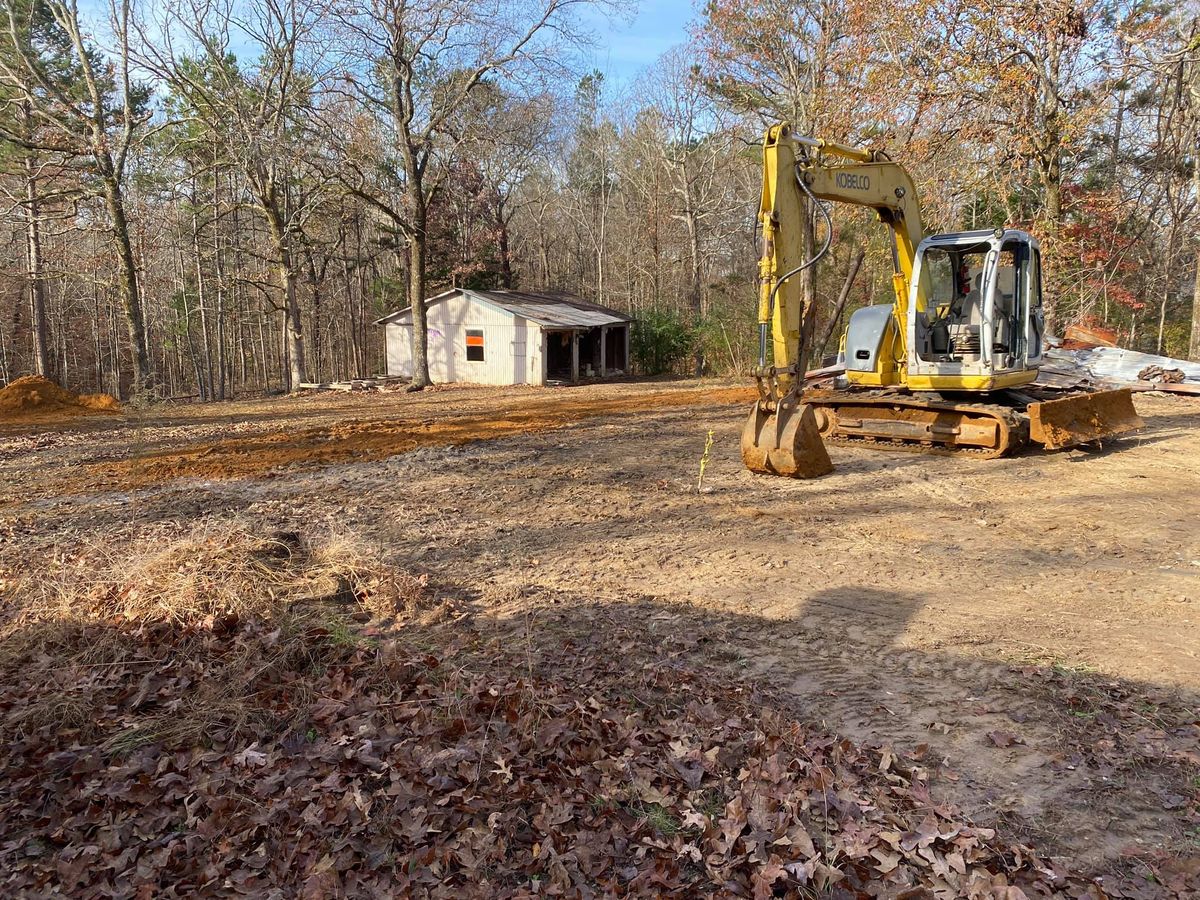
[[781, 435]]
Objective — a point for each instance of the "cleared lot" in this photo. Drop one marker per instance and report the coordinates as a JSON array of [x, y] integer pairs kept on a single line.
[[1027, 627]]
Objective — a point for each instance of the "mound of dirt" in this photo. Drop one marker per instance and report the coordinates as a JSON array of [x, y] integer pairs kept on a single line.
[[35, 397]]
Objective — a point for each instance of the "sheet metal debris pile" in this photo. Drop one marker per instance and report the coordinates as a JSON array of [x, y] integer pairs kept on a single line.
[[1118, 367]]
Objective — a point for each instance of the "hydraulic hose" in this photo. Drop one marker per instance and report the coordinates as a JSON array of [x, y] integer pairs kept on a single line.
[[765, 327]]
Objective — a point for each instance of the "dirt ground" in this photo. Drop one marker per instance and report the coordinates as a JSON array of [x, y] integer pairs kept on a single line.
[[1028, 624]]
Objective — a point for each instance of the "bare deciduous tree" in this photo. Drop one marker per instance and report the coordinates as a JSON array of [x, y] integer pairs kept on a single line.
[[418, 64], [93, 116]]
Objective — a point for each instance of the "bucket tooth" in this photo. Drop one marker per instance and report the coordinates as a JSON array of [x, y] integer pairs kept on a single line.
[[786, 442], [1082, 418]]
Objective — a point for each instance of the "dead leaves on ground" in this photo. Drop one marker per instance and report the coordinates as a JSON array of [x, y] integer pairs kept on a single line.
[[1004, 739], [290, 753], [372, 769], [1115, 731]]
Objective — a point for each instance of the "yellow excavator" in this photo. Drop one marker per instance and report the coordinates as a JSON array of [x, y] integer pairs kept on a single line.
[[949, 367]]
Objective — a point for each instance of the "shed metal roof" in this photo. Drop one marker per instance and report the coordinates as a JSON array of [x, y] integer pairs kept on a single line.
[[548, 309]]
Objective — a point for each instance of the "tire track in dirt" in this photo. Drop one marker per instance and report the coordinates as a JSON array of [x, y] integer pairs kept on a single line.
[[944, 707]]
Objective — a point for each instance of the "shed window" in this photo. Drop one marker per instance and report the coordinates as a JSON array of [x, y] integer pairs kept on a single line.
[[474, 345]]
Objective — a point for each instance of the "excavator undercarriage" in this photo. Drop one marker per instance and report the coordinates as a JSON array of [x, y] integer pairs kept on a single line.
[[944, 424], [788, 436]]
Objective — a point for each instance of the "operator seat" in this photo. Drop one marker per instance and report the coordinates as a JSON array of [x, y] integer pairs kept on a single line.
[[964, 327]]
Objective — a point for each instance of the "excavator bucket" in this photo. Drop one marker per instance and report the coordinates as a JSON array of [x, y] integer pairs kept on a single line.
[[786, 442], [1082, 418]]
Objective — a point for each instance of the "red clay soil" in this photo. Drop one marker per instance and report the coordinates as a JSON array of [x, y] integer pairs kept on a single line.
[[363, 441], [36, 398]]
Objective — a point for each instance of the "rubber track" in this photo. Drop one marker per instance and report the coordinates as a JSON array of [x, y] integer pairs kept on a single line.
[[1017, 425]]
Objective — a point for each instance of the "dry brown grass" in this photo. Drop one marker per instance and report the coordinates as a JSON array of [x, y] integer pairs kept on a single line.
[[122, 607], [216, 569]]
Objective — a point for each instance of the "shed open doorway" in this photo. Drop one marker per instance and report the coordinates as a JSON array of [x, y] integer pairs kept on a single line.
[[559, 356], [599, 352]]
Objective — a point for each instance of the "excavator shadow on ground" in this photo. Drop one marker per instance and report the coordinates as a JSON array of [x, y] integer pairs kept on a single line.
[[1090, 767]]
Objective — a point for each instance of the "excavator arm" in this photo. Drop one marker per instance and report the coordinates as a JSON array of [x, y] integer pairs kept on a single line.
[[870, 179], [781, 435]]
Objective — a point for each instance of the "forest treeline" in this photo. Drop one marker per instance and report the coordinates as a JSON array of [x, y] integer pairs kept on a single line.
[[212, 197]]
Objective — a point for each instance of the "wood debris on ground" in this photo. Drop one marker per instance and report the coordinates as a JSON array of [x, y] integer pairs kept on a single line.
[[379, 382]]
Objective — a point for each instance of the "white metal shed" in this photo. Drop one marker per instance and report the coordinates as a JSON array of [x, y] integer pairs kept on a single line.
[[511, 337]]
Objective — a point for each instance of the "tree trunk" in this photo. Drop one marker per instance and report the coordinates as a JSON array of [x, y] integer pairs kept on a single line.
[[187, 330], [655, 247], [293, 328], [1194, 342], [506, 271], [114, 350], [131, 299], [37, 287], [5, 372], [263, 359], [219, 278], [544, 257], [97, 344], [694, 292], [843, 296], [1168, 263], [416, 299], [1053, 214], [318, 344], [222, 356], [201, 305], [1049, 161], [1194, 338]]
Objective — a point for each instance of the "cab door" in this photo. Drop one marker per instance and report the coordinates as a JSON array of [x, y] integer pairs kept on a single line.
[[1014, 308], [1035, 319]]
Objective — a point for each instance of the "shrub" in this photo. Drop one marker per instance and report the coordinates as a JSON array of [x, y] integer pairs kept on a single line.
[[662, 341]]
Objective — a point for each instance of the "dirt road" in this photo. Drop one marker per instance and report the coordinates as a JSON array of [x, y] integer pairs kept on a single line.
[[1031, 623]]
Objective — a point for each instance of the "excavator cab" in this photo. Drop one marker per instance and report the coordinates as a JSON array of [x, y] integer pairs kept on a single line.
[[973, 320], [976, 308]]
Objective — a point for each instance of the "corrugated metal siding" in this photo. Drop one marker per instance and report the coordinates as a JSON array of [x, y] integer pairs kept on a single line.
[[551, 310], [398, 344], [554, 311], [512, 345]]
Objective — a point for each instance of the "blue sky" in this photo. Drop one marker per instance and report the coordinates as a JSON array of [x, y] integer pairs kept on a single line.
[[624, 48]]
